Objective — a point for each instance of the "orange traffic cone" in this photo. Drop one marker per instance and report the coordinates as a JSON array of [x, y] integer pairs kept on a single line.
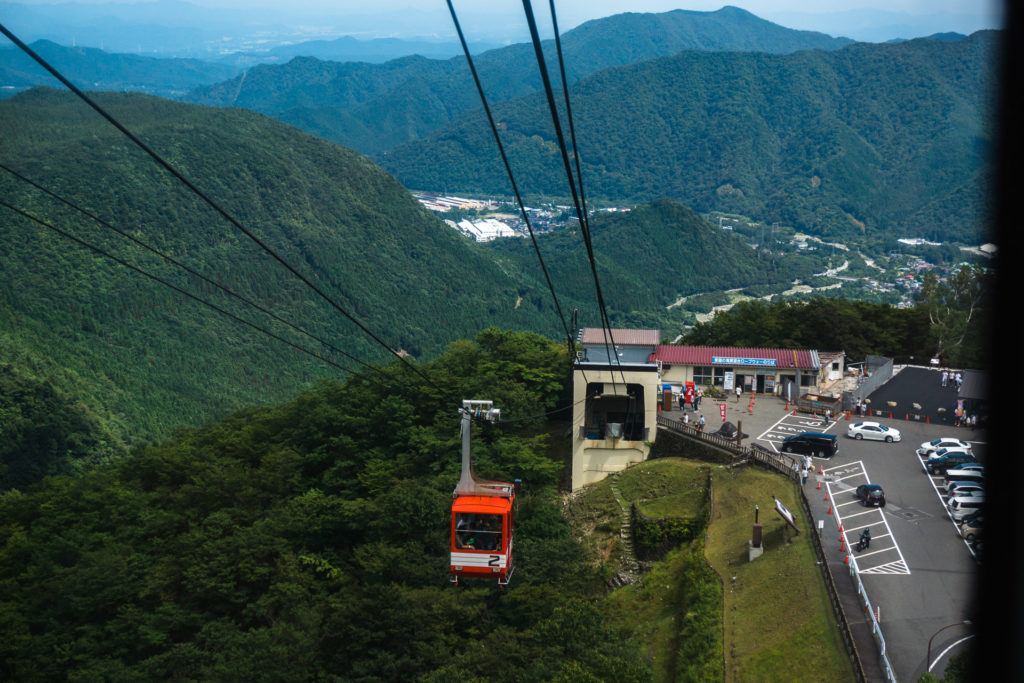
[[826, 497], [842, 543], [829, 511], [846, 560]]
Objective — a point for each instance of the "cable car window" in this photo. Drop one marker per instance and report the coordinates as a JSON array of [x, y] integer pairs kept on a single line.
[[477, 532]]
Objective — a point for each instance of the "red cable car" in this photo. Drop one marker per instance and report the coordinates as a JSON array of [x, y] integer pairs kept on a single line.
[[482, 519]]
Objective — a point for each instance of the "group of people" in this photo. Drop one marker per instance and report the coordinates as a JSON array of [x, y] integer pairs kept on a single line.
[[478, 532], [950, 378], [862, 409], [695, 398], [962, 419], [700, 422]]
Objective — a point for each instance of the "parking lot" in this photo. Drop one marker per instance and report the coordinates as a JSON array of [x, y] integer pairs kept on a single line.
[[917, 570], [883, 555]]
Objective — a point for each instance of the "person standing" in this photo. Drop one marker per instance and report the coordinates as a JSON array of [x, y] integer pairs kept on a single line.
[[700, 424], [739, 392], [959, 380], [807, 462], [686, 419], [697, 399], [945, 378]]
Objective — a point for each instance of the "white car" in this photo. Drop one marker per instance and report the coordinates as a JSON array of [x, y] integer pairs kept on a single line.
[[967, 492], [873, 430], [964, 488], [929, 447]]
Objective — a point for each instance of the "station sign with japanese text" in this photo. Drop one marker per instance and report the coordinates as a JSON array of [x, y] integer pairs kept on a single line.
[[730, 360]]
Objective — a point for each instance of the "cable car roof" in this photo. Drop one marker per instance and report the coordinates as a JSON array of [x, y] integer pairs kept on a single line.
[[486, 504]]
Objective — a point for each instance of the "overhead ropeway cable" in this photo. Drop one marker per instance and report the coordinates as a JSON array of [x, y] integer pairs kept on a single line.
[[156, 278], [575, 185], [191, 271], [511, 176], [210, 201]]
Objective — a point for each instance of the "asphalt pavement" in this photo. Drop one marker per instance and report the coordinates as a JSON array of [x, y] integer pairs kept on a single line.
[[911, 385]]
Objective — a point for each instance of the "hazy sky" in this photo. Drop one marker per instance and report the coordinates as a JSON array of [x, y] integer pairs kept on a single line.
[[502, 20]]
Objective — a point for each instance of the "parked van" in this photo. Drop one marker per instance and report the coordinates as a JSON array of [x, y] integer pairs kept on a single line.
[[940, 464], [957, 474], [817, 444], [961, 507]]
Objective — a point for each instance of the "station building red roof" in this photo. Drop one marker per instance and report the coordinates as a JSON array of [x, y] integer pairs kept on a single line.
[[671, 354]]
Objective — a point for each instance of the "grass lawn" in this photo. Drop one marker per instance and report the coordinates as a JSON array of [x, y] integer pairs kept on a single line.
[[778, 621], [666, 487], [674, 613]]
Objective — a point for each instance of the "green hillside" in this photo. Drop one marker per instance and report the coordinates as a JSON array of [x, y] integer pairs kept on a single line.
[[94, 69], [859, 141], [373, 107], [145, 359], [308, 541], [647, 258]]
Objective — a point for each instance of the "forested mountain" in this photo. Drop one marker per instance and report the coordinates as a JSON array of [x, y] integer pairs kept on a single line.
[[94, 69], [147, 360], [375, 107], [853, 141], [309, 541], [132, 358]]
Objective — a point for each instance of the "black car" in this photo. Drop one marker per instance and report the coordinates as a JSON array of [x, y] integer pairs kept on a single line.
[[817, 444], [870, 494], [938, 464]]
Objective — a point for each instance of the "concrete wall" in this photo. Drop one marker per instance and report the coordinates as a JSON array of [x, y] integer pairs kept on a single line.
[[595, 459]]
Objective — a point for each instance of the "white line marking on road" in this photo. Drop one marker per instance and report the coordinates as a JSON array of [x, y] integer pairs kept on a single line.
[[897, 567], [941, 654], [852, 502], [773, 426], [858, 514], [888, 529], [942, 502], [875, 552], [859, 474], [858, 528]]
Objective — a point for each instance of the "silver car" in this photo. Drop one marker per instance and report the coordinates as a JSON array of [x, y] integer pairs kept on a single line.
[[874, 431], [964, 488], [929, 447]]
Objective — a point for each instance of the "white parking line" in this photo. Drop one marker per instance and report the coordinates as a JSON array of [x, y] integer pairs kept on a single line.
[[942, 502], [858, 514], [859, 474], [862, 526], [900, 566], [861, 556], [774, 425], [852, 502]]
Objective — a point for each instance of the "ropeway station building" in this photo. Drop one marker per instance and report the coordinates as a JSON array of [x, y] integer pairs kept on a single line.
[[618, 389]]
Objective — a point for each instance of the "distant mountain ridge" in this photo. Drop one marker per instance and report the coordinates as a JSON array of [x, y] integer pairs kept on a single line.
[[858, 141], [376, 107], [95, 69]]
